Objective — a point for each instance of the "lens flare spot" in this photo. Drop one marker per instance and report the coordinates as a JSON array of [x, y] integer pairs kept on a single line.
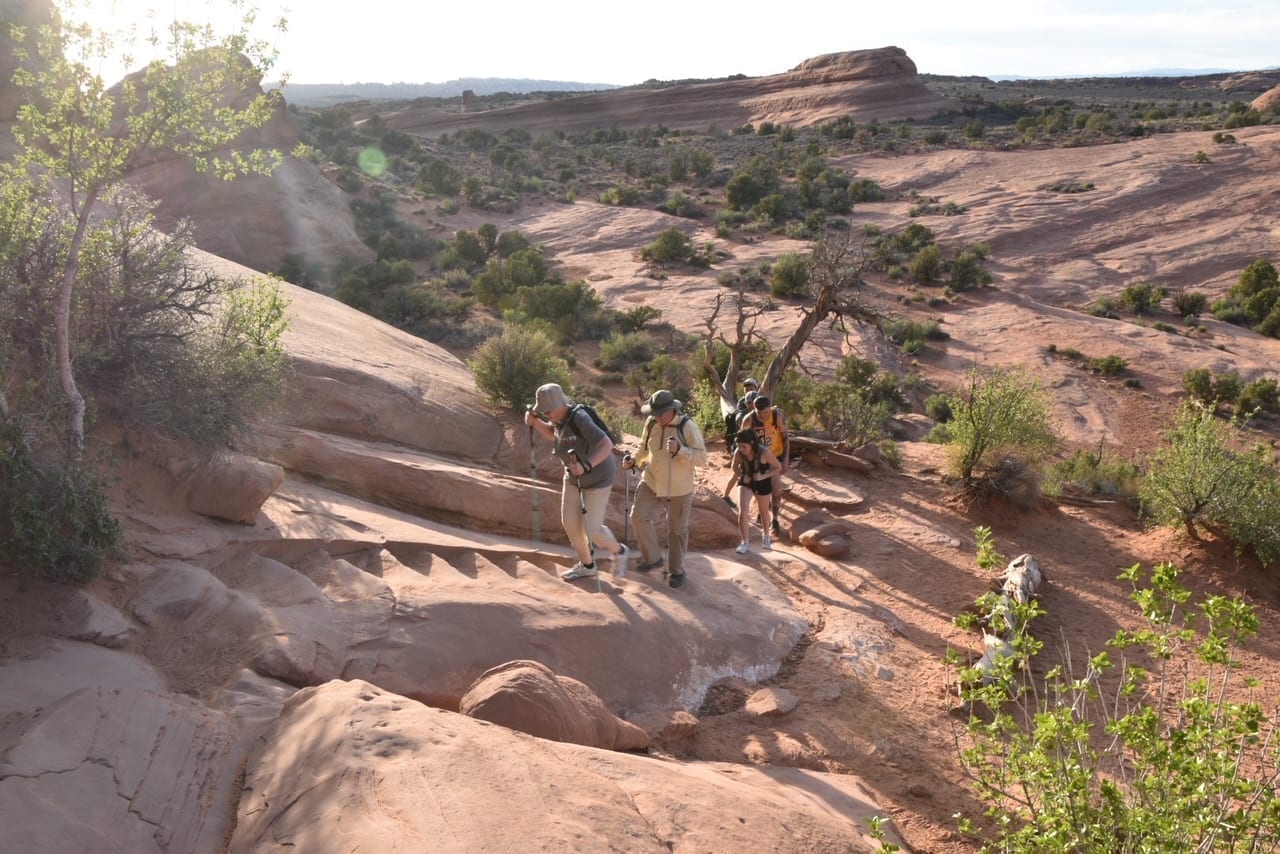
[[373, 162]]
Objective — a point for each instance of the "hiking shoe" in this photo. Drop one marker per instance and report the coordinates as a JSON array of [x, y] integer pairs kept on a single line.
[[732, 504], [578, 571], [766, 542], [743, 548], [649, 566], [620, 562], [676, 579], [777, 532]]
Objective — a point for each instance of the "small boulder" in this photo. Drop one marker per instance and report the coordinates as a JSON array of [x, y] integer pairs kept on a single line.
[[771, 702], [233, 487], [528, 696]]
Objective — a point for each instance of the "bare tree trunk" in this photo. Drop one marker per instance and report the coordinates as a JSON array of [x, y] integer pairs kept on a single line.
[[62, 335]]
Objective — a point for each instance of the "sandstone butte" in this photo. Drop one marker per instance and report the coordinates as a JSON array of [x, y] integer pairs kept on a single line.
[[340, 635]]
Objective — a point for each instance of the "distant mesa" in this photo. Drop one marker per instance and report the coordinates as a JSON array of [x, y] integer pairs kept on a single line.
[[867, 85]]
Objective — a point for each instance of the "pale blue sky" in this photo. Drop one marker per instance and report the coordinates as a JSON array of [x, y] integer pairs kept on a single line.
[[596, 41]]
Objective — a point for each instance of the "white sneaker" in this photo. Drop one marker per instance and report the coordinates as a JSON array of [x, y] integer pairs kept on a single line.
[[743, 548], [766, 543], [578, 571], [620, 562]]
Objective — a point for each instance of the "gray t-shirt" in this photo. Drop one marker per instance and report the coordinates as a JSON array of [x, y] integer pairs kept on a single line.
[[578, 443]]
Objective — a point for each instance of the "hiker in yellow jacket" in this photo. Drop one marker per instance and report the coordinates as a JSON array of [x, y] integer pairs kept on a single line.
[[671, 445]]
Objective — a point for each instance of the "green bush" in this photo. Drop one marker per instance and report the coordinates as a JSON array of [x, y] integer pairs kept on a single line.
[[999, 413], [1110, 366], [1189, 303], [1198, 478], [938, 407], [670, 247], [1142, 297], [1093, 473], [1165, 751], [54, 521], [790, 276], [619, 351], [926, 267], [510, 367]]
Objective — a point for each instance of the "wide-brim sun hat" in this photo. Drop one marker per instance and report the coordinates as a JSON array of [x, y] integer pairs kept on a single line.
[[550, 396], [751, 381], [660, 402]]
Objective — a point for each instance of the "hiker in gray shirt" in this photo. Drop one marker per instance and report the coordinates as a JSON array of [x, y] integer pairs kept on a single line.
[[589, 471]]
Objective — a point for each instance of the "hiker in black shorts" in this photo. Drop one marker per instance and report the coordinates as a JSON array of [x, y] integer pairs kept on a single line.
[[755, 468]]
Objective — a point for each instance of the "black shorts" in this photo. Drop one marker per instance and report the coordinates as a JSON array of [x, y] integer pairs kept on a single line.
[[760, 487]]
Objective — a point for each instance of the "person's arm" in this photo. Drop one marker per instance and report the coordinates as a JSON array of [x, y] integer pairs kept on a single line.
[[532, 419], [690, 442], [733, 475], [642, 455], [775, 466], [786, 439]]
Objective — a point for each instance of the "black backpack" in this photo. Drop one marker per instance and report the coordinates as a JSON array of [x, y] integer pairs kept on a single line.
[[734, 418], [595, 416]]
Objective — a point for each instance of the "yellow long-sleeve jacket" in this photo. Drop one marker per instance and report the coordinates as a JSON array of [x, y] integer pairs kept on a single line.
[[670, 476]]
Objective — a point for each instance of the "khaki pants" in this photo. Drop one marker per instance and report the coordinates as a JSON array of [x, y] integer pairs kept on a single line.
[[576, 527], [644, 516]]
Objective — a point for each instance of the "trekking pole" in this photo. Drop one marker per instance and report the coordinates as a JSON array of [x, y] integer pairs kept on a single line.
[[586, 525], [533, 489], [670, 457], [626, 505]]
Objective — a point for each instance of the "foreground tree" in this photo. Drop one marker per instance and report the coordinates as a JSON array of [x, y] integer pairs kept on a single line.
[[1165, 748], [78, 139]]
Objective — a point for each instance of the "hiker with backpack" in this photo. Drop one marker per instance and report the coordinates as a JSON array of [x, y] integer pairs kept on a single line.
[[744, 407], [770, 424], [586, 450], [671, 446], [755, 468]]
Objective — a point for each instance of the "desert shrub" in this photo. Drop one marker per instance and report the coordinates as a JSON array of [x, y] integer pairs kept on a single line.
[[54, 519], [1093, 473], [790, 276], [938, 407], [1110, 366], [671, 246], [1189, 303], [1198, 479], [1261, 395], [845, 414], [1229, 310], [510, 242], [510, 367], [926, 266], [623, 350], [232, 369], [1104, 306], [678, 204], [1187, 762], [440, 178], [620, 196], [910, 335], [573, 310], [998, 414], [1142, 297], [968, 271], [635, 319], [1198, 383]]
